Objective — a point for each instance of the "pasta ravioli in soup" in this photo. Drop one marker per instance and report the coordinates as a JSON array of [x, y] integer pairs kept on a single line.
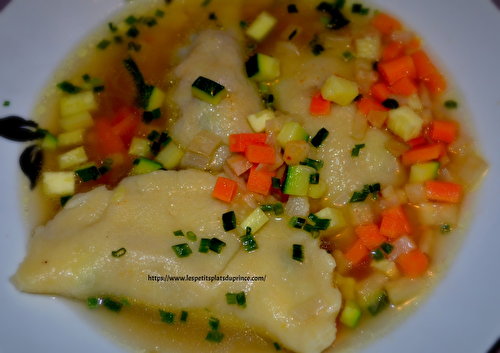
[[274, 175]]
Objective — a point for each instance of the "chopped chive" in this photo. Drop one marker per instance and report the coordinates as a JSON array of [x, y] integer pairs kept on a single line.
[[6, 103], [86, 77], [451, 104], [179, 233], [213, 323], [191, 236], [248, 241], [298, 252], [214, 336], [356, 8], [98, 89], [292, 8], [68, 87], [204, 245], [132, 32], [243, 24], [150, 21], [131, 20], [348, 55], [377, 254], [320, 137], [134, 46], [164, 138], [159, 13], [112, 305], [337, 19], [231, 298], [297, 222], [387, 248], [229, 221], [112, 27], [294, 32], [119, 253], [277, 346], [153, 135], [365, 11], [314, 163], [125, 302], [92, 302], [267, 208], [445, 228], [314, 178], [88, 174], [216, 245], [390, 103], [205, 3], [143, 90], [65, 199], [166, 317], [381, 302], [103, 44], [149, 116], [118, 39], [355, 150], [360, 196], [182, 250], [184, 316], [241, 299], [212, 16]]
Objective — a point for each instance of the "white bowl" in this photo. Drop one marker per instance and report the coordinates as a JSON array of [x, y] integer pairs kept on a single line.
[[462, 314]]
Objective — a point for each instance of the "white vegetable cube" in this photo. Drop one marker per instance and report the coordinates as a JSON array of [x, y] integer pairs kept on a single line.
[[72, 158], [339, 90], [77, 103], [261, 27], [82, 120], [71, 138], [368, 48], [139, 147], [405, 123], [156, 99], [258, 121], [414, 102], [255, 220], [335, 215], [170, 156], [58, 183]]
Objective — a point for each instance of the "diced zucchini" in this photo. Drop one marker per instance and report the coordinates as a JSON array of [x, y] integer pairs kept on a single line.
[[156, 99], [420, 173], [258, 121], [49, 142], [208, 90], [262, 68], [316, 191], [77, 103], [261, 26], [58, 183], [292, 131], [71, 138], [170, 156], [350, 314], [335, 215], [88, 172], [339, 90], [140, 147], [368, 48], [72, 158], [297, 180], [405, 123], [76, 121], [143, 166], [255, 220], [378, 302]]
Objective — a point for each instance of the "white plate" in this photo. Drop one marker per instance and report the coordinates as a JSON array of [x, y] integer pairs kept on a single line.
[[463, 312]]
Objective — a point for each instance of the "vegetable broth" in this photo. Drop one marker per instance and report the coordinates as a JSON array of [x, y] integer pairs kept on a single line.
[[171, 33]]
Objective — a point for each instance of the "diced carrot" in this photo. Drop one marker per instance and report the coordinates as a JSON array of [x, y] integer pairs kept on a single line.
[[126, 128], [386, 24], [108, 143], [413, 263], [319, 105], [239, 142], [357, 253], [404, 86], [423, 153], [396, 69], [257, 153], [417, 141], [435, 82], [423, 64], [445, 131], [443, 191], [370, 236], [392, 51], [394, 223], [413, 44], [260, 181], [380, 91], [367, 104], [225, 189]]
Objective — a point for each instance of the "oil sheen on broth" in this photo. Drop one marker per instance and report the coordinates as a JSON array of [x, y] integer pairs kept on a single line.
[[397, 140]]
